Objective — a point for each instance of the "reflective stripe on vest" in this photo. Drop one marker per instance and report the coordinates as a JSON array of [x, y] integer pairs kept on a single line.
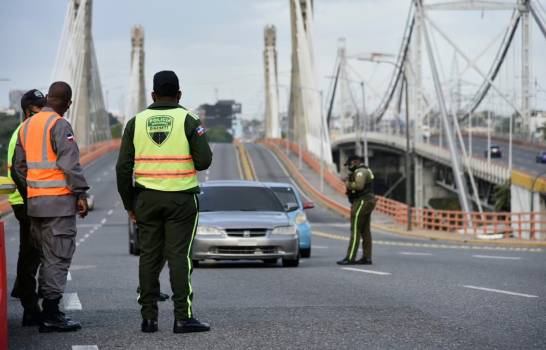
[[44, 178], [163, 160], [14, 198]]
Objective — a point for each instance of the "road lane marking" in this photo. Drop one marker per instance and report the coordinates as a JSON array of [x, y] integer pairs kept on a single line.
[[82, 267], [372, 272], [500, 291], [85, 347], [71, 301], [110, 212], [69, 276], [431, 245], [496, 257], [103, 221], [86, 235], [415, 253], [319, 247]]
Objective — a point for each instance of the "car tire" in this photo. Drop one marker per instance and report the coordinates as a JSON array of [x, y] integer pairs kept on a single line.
[[195, 263], [291, 262], [306, 252], [270, 261]]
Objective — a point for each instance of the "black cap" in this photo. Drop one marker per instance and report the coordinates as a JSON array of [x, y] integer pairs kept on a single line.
[[353, 158], [32, 98], [166, 83]]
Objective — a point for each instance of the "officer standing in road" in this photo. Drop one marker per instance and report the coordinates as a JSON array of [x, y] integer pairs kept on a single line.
[[29, 257], [47, 165], [163, 147], [359, 185]]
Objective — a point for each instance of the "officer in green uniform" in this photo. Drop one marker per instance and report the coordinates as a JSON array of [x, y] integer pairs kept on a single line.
[[162, 149], [29, 257], [359, 185]]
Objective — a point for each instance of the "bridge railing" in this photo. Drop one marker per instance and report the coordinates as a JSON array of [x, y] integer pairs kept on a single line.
[[530, 226], [491, 171]]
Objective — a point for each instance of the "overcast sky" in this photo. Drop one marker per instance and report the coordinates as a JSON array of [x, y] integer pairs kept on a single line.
[[218, 44]]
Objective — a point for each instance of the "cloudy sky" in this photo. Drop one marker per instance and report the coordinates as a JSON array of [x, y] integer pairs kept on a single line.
[[216, 46]]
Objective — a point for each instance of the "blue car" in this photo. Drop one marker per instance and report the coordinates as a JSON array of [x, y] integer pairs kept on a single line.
[[541, 157], [291, 200]]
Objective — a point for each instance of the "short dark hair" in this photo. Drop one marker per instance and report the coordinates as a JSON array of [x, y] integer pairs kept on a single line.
[[166, 84]]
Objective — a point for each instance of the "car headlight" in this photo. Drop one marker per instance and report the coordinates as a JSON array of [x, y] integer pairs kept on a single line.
[[285, 230], [301, 218], [209, 230]]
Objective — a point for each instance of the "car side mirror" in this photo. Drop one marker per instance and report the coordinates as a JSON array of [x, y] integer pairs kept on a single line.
[[291, 206], [308, 205]]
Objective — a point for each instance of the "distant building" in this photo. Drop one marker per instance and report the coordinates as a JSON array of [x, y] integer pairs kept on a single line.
[[538, 124], [15, 99], [220, 114]]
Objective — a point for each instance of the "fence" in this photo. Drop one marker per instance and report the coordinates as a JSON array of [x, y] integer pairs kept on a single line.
[[530, 226]]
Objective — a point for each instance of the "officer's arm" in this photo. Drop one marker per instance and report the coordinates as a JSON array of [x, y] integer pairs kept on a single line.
[[19, 169], [199, 145], [68, 157], [360, 180], [125, 166]]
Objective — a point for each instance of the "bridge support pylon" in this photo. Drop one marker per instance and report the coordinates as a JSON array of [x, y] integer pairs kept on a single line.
[[272, 122]]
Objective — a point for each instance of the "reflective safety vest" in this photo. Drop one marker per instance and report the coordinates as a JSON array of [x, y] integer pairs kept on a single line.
[[14, 198], [163, 160], [44, 178]]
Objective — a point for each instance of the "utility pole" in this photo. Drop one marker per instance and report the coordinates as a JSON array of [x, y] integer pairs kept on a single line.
[[364, 124], [525, 67]]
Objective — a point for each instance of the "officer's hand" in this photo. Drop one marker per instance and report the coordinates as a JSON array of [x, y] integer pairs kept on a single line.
[[132, 216], [83, 208]]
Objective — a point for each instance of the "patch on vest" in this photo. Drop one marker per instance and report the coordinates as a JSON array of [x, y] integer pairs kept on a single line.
[[159, 128]]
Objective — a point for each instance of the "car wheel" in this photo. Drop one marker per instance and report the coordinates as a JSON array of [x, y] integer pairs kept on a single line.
[[291, 262], [305, 253], [270, 261]]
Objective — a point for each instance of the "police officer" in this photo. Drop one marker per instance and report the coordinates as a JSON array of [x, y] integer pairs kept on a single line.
[[29, 257], [47, 165], [359, 185], [163, 147]]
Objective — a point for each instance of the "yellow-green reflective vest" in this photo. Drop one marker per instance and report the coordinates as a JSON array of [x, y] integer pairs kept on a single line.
[[14, 198], [163, 160]]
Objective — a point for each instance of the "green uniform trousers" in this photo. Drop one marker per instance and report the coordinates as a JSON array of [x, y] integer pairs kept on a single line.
[[361, 215], [167, 222], [27, 262]]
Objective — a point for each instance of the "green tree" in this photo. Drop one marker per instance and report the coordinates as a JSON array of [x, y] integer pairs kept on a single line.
[[219, 134]]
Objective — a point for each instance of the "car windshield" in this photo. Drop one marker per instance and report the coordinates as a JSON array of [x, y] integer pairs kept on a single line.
[[286, 195], [238, 198]]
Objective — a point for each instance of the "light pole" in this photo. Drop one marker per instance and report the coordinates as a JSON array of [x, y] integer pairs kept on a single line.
[[409, 153]]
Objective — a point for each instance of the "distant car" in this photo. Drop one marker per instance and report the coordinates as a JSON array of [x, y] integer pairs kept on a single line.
[[295, 207], [240, 220], [541, 157], [495, 152]]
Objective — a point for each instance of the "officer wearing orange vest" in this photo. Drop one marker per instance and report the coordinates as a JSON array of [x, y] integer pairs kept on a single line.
[[29, 257], [47, 171], [162, 149]]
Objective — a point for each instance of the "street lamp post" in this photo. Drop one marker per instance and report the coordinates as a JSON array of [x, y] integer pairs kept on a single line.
[[408, 158]]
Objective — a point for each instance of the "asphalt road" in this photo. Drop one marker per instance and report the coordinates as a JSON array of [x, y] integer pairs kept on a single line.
[[523, 158], [414, 296]]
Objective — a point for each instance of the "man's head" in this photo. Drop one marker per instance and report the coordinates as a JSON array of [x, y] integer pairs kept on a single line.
[[32, 102], [59, 97], [354, 162], [166, 87]]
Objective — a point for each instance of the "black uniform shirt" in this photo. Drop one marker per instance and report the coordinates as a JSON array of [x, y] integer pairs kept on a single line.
[[199, 149]]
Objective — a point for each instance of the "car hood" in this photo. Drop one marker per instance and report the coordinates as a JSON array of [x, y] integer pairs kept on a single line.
[[243, 219]]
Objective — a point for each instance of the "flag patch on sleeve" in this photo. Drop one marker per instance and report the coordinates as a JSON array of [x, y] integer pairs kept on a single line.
[[200, 131]]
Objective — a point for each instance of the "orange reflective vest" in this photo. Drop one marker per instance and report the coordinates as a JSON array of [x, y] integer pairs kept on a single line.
[[44, 178]]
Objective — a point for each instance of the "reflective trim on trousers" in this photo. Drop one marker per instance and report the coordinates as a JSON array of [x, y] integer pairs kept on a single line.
[[355, 231], [47, 184]]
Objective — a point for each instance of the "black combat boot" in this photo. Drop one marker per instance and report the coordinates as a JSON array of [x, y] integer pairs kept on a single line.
[[148, 326], [346, 262], [32, 316], [364, 261], [190, 325], [53, 320]]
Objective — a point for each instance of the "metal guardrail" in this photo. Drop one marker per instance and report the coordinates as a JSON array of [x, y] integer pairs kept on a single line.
[[492, 172], [529, 226]]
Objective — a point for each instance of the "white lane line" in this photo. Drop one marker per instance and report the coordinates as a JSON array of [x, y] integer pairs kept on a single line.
[[71, 301], [380, 273], [86, 235], [85, 347], [110, 212], [501, 291], [319, 247], [69, 276], [99, 179], [496, 257], [415, 253], [82, 240], [103, 221]]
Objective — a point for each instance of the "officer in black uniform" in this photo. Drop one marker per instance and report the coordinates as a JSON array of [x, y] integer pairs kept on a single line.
[[359, 191]]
